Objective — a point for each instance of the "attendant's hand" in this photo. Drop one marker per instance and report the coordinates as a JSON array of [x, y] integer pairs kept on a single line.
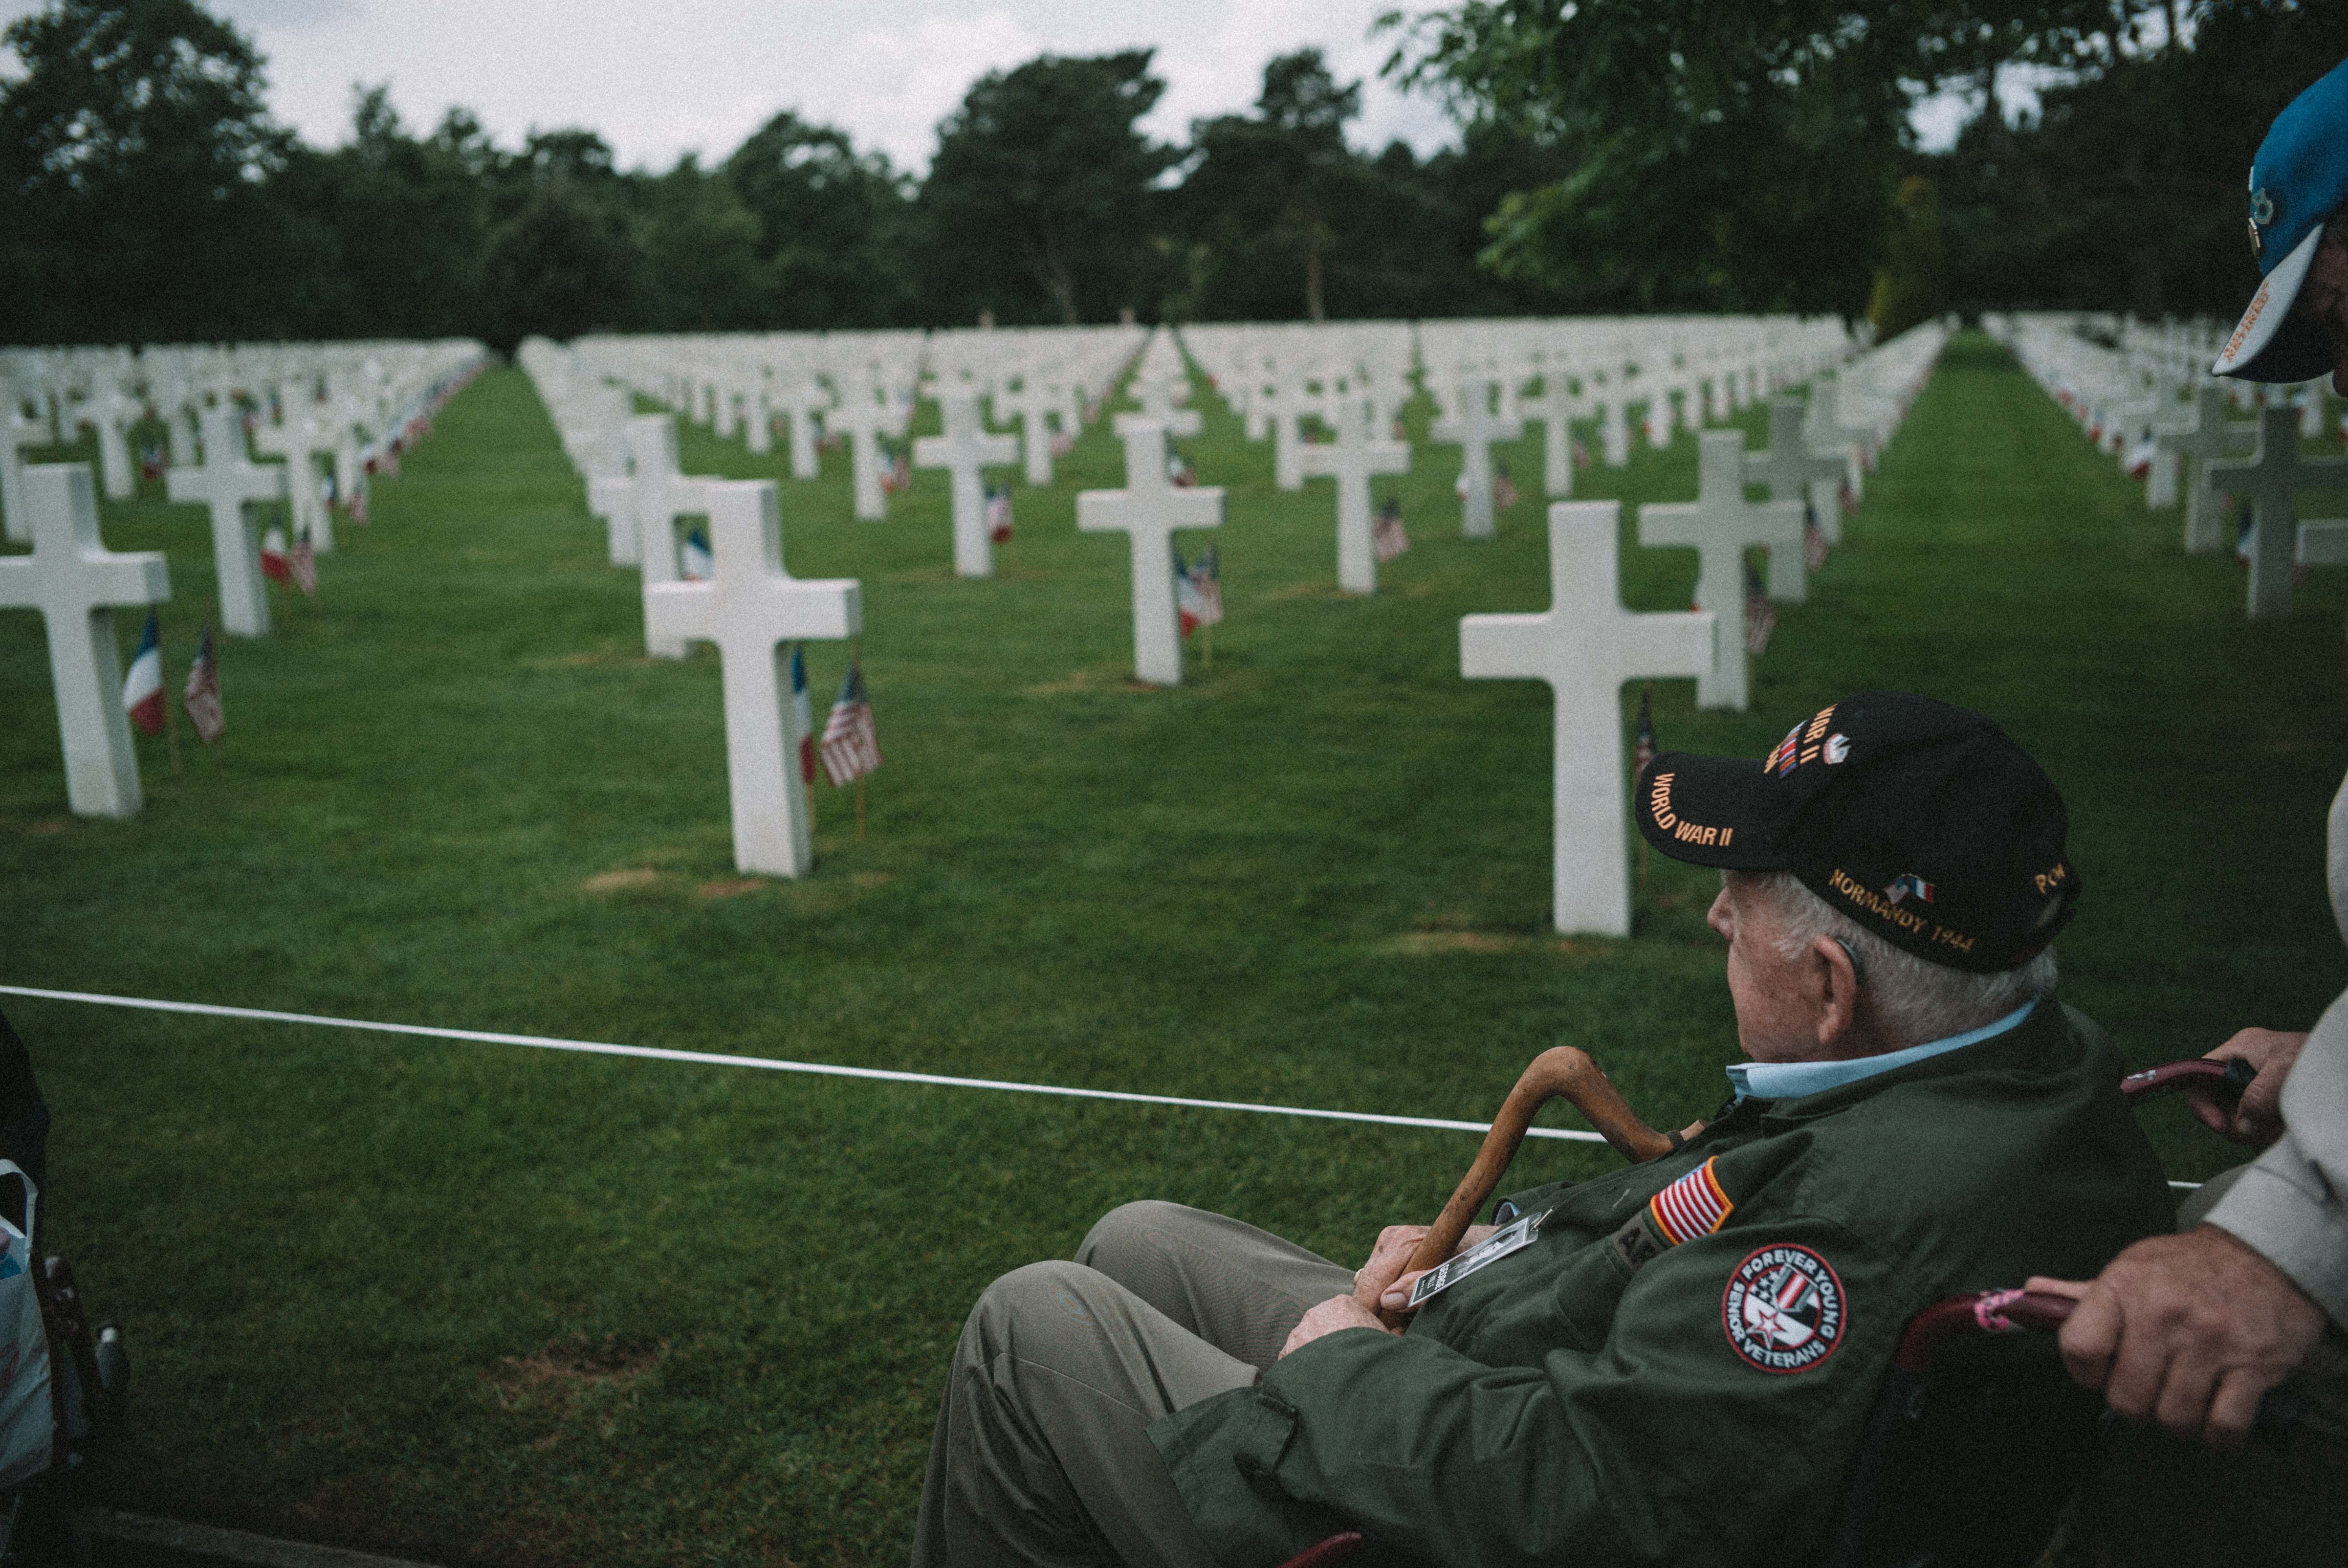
[[2257, 1118], [1337, 1312], [2187, 1330]]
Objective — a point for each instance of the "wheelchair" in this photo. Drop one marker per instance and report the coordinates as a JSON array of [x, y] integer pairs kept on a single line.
[[1978, 1441]]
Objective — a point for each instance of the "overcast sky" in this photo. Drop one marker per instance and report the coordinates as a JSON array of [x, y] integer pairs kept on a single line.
[[660, 77]]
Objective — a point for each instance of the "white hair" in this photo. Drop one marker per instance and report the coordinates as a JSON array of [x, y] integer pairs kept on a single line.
[[1914, 1000]]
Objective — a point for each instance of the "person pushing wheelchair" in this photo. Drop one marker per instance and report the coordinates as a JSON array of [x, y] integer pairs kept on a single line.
[[1673, 1361]]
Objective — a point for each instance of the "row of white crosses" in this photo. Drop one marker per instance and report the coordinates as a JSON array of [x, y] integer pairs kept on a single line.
[[2152, 383], [747, 605], [1586, 645], [45, 396]]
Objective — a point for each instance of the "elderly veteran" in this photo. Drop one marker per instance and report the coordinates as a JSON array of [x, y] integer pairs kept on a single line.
[[1673, 1362]]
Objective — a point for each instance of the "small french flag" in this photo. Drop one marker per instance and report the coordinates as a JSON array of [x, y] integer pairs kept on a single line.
[[142, 689], [1909, 885], [274, 564], [800, 718]]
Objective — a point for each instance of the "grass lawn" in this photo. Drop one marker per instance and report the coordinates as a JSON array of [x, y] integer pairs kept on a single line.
[[488, 1306]]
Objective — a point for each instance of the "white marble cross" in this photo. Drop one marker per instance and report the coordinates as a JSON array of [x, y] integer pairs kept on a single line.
[[1586, 645], [864, 417], [1792, 473], [2213, 438], [74, 581], [748, 606], [1031, 406], [1150, 509], [116, 414], [1555, 410], [2324, 542], [301, 440], [966, 450], [227, 482], [2270, 483], [1353, 460], [1721, 524], [16, 434], [1473, 429]]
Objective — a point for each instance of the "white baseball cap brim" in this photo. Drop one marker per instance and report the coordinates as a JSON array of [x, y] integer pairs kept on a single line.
[[2270, 343]]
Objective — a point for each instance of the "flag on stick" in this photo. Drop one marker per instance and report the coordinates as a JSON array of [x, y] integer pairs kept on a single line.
[[1207, 582], [142, 689], [1760, 615], [998, 514], [851, 748], [1642, 747], [698, 562], [1504, 488], [1186, 595], [1814, 538], [274, 565], [301, 565], [1389, 539], [800, 718], [203, 698]]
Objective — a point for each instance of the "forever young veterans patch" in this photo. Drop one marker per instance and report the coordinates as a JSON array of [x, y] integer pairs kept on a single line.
[[1784, 1309]]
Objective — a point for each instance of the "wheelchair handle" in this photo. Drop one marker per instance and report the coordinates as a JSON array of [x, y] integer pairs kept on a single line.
[[2226, 1079], [2043, 1312]]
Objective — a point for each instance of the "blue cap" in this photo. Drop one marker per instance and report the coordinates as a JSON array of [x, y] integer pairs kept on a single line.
[[2298, 179]]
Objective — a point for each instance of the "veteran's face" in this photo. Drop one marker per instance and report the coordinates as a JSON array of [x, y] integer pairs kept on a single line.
[[1776, 1012], [2323, 297]]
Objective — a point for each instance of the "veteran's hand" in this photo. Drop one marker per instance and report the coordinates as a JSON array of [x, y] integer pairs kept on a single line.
[[2257, 1118], [1337, 1312], [2187, 1330], [1374, 1280]]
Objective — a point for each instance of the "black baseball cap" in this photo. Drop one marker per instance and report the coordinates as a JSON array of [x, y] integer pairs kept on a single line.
[[1921, 821]]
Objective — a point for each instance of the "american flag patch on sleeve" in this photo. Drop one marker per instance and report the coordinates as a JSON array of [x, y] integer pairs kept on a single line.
[[1692, 1206]]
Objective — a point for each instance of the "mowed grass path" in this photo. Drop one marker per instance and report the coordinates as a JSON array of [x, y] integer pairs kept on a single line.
[[483, 1304]]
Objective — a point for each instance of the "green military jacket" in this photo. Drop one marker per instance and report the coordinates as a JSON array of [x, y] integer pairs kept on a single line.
[[1680, 1367]]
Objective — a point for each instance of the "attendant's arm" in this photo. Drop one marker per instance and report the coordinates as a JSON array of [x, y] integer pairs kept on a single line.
[[2190, 1330]]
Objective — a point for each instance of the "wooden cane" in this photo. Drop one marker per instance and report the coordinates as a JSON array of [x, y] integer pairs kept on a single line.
[[1561, 1071]]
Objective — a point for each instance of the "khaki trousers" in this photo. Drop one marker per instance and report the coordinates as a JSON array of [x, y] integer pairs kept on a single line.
[[1041, 1454]]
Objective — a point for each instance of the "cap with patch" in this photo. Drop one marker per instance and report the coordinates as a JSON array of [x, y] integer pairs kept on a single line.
[[1921, 821], [2298, 179]]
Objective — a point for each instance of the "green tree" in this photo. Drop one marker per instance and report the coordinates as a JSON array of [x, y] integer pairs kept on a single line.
[[2125, 190], [1039, 200], [1724, 157], [835, 226], [1277, 181], [700, 248], [388, 230], [563, 265], [132, 154]]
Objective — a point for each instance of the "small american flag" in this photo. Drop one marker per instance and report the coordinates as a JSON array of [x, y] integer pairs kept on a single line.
[[1207, 581], [1503, 489], [302, 565], [274, 565], [1642, 747], [1389, 539], [998, 514], [1186, 595], [851, 747], [202, 699], [1760, 615], [1814, 539]]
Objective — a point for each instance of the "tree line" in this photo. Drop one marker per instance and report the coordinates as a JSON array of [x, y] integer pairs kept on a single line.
[[1613, 156]]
